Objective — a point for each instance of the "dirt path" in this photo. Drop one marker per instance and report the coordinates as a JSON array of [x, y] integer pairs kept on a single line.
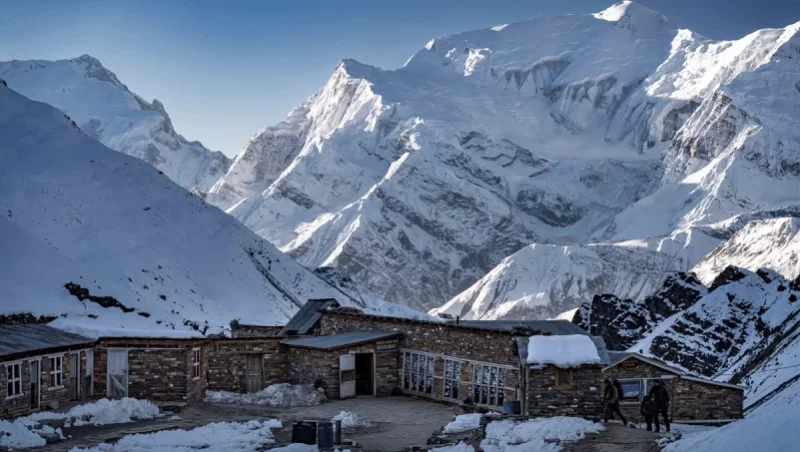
[[617, 438]]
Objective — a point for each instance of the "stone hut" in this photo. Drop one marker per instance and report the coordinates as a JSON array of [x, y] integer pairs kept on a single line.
[[42, 367], [693, 400], [246, 364], [157, 369]]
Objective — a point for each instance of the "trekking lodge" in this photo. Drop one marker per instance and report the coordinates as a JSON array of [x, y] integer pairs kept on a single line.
[[534, 368]]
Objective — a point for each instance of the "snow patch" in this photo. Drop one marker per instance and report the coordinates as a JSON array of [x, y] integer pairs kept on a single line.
[[541, 434], [280, 395], [562, 351], [351, 420], [463, 423]]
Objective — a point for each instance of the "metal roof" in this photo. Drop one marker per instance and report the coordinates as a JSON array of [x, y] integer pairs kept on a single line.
[[307, 317], [558, 327], [339, 340], [16, 339]]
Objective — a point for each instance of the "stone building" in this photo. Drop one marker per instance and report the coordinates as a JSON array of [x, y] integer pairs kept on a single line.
[[42, 367], [693, 399], [246, 364], [157, 369]]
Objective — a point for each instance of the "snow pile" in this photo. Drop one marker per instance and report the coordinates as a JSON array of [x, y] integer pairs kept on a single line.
[[102, 412], [541, 434], [351, 420], [282, 395], [463, 422], [297, 447], [460, 447], [566, 351], [248, 436], [17, 435]]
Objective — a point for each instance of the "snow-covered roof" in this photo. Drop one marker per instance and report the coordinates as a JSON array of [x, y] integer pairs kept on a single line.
[[563, 351]]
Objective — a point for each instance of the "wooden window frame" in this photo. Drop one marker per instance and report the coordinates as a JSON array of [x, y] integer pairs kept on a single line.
[[12, 380], [196, 363], [56, 375], [407, 369], [454, 380], [499, 387], [570, 378]]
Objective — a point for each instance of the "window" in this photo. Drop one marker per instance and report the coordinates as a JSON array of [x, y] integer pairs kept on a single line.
[[418, 372], [564, 377], [56, 371], [488, 385], [14, 379], [195, 363], [452, 378], [633, 390]]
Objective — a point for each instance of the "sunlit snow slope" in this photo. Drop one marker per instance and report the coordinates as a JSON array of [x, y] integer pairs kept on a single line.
[[109, 245], [108, 111]]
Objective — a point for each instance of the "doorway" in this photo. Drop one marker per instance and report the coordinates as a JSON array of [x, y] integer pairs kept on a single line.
[[117, 366], [36, 383], [365, 374], [255, 373], [75, 375]]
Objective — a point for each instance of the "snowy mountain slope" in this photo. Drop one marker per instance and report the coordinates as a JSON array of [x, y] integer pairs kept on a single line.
[[606, 128], [108, 111], [768, 243], [541, 281], [109, 244]]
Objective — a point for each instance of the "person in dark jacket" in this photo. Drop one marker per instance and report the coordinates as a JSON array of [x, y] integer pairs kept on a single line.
[[648, 410], [611, 396], [660, 397]]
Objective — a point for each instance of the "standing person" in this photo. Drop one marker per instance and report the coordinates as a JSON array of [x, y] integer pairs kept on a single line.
[[648, 410], [660, 397], [611, 396]]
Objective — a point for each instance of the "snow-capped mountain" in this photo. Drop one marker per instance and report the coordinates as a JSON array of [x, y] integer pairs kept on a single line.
[[615, 129], [108, 111], [107, 244]]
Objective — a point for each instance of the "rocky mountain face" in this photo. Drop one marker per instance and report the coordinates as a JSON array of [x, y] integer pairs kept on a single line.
[[101, 243], [109, 112], [614, 137], [743, 328]]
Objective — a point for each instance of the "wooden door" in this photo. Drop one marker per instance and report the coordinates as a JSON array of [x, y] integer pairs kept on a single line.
[[347, 376], [36, 383], [255, 373], [75, 375]]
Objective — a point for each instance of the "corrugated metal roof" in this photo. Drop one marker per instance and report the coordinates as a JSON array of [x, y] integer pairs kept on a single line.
[[339, 340], [308, 316], [558, 327], [25, 338]]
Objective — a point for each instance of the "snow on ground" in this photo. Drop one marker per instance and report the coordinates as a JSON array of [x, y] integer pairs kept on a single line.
[[351, 420], [536, 434], [297, 447], [215, 437], [30, 431], [460, 447], [463, 422], [283, 394], [102, 412], [570, 350]]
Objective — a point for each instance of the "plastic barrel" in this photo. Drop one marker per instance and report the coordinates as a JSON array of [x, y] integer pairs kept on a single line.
[[303, 433], [325, 435], [512, 407]]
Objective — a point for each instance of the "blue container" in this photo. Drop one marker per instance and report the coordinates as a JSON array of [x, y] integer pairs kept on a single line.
[[512, 407]]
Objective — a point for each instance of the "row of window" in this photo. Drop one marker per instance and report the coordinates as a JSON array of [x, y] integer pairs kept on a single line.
[[488, 381], [14, 376]]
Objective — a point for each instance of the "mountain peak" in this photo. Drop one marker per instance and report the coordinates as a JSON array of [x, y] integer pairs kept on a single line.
[[95, 69], [633, 16]]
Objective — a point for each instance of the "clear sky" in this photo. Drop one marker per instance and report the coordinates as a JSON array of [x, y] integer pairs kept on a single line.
[[225, 69]]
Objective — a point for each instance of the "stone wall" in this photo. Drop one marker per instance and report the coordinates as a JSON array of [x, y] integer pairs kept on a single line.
[[241, 330], [695, 400], [583, 398], [309, 366], [475, 344], [227, 362], [51, 396], [633, 368]]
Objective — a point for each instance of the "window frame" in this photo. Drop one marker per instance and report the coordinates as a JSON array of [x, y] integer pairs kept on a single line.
[[494, 396], [570, 378], [645, 387], [413, 377], [56, 372], [454, 380], [10, 381], [196, 363]]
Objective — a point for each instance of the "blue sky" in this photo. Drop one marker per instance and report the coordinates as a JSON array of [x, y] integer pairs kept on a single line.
[[225, 69]]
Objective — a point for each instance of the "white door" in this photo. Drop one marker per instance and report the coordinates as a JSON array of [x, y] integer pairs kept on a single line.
[[117, 374], [89, 378], [347, 376]]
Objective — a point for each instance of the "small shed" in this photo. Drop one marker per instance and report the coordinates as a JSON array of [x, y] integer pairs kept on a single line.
[[693, 399], [42, 367], [346, 364]]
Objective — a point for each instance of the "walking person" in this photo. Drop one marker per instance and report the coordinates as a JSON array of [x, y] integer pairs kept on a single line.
[[611, 396], [648, 410], [660, 397]]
